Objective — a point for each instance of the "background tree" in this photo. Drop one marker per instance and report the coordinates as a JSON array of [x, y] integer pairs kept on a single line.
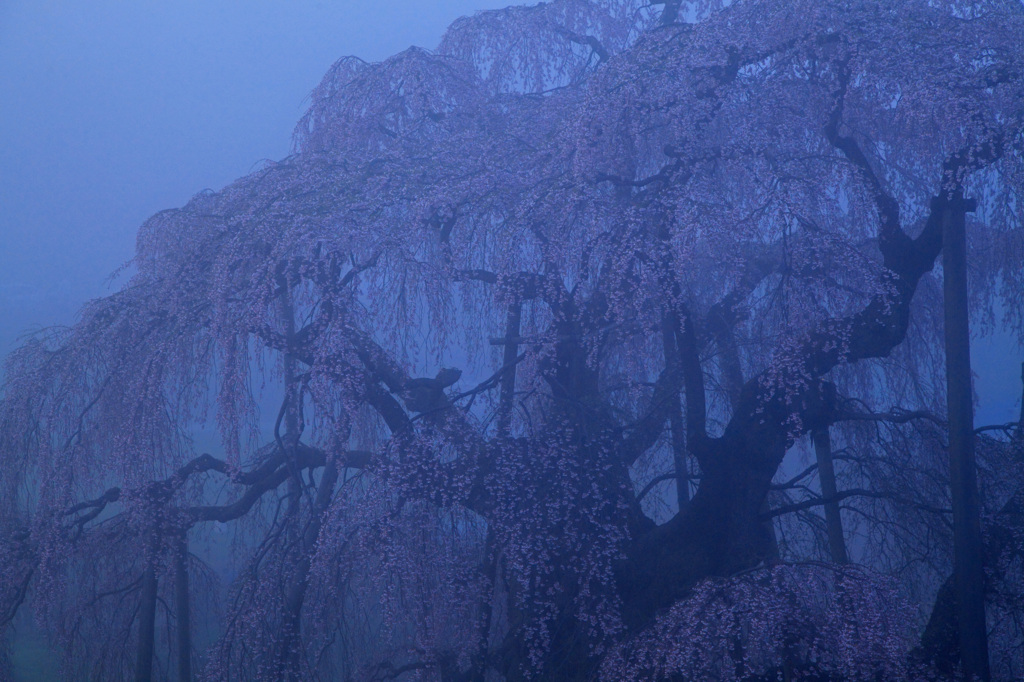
[[546, 316]]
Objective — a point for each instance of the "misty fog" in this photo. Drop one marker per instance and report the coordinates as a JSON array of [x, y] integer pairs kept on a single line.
[[579, 340]]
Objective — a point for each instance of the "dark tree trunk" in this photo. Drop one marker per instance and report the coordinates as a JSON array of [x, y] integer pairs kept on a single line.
[[490, 571], [827, 475], [147, 624], [287, 654], [968, 571], [182, 609], [732, 370], [1020, 424], [670, 14], [675, 417], [289, 660], [508, 380], [720, 533], [940, 645]]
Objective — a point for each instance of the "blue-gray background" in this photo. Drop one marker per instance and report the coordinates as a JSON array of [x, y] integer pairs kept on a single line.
[[111, 110]]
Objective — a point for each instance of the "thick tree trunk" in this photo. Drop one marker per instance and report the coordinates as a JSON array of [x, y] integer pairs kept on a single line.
[[720, 533], [967, 547], [732, 370], [827, 475]]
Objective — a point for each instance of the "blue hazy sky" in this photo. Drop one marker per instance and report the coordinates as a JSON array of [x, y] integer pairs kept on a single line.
[[111, 110]]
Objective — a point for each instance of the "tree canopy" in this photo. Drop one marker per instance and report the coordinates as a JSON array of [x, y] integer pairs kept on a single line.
[[548, 318]]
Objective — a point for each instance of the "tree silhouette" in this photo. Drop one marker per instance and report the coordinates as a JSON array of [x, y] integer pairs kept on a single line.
[[546, 317]]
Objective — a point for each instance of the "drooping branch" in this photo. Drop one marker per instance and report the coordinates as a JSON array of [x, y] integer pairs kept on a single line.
[[851, 492]]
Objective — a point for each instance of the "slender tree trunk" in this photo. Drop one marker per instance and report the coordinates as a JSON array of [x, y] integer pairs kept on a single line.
[[287, 654], [147, 624], [968, 571], [827, 475], [732, 369], [289, 657], [182, 609], [1020, 424], [490, 571], [675, 416], [940, 642], [508, 380]]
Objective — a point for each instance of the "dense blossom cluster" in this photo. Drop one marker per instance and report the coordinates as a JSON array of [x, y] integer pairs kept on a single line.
[[504, 299], [804, 621]]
